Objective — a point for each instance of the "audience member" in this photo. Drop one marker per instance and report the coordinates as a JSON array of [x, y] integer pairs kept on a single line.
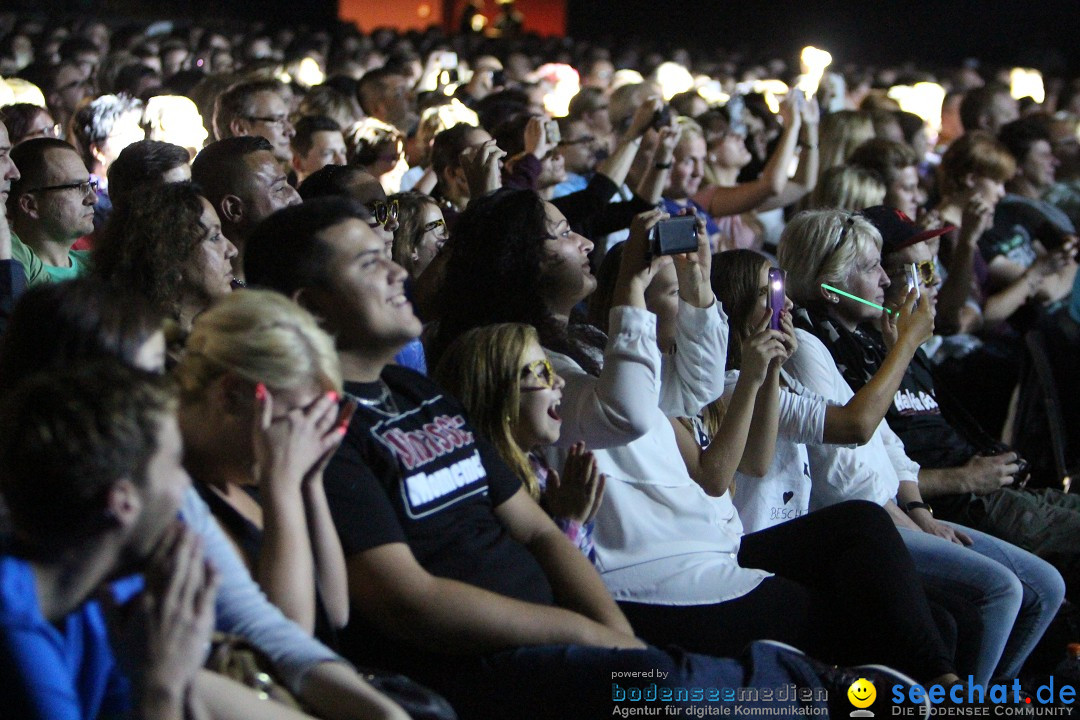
[[255, 108], [50, 207], [318, 142], [245, 184], [167, 247], [103, 129]]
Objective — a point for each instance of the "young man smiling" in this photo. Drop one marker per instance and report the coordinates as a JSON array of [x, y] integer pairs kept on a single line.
[[456, 576]]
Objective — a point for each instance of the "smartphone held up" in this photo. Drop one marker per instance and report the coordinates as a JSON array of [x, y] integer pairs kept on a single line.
[[775, 296]]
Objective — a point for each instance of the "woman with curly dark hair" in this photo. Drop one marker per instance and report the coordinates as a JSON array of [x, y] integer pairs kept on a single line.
[[167, 247]]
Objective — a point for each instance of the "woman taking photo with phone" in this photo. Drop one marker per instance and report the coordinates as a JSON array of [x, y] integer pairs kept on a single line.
[[833, 261], [670, 552]]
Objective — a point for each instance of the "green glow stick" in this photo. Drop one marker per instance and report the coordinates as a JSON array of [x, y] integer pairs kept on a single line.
[[856, 297]]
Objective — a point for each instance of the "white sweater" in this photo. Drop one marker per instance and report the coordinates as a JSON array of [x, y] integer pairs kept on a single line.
[[659, 538]]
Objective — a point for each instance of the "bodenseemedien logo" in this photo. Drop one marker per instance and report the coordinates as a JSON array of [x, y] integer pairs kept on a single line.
[[862, 694]]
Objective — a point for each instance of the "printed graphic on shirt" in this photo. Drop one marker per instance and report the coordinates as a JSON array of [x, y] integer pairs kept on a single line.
[[790, 510], [439, 461], [915, 403]]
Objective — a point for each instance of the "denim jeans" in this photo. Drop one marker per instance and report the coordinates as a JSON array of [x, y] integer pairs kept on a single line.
[[1017, 593], [565, 682]]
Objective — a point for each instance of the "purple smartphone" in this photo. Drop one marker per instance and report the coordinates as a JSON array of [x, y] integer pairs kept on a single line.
[[776, 296]]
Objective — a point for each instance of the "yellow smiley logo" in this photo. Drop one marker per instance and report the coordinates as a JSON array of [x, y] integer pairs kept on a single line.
[[862, 693]]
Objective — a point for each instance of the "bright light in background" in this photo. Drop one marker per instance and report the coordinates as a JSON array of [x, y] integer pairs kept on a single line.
[[625, 76], [7, 96], [22, 92], [308, 73], [923, 99], [1025, 82], [563, 83], [813, 61], [673, 79], [711, 90], [175, 119], [451, 114], [771, 89]]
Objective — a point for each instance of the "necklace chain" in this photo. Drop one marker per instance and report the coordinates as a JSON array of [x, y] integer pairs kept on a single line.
[[383, 404]]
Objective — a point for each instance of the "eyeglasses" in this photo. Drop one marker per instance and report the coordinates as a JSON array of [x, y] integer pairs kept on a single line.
[[926, 270], [384, 211], [52, 131], [540, 370], [279, 120], [439, 225], [580, 141], [85, 187]]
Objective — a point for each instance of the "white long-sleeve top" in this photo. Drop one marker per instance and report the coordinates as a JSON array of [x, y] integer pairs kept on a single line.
[[660, 539], [784, 492], [872, 471]]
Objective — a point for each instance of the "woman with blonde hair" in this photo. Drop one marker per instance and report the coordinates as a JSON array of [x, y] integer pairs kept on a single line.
[[841, 133], [847, 188], [721, 204], [502, 376], [259, 388], [833, 264]]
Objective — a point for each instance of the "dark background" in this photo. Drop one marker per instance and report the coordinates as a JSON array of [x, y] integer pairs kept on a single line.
[[1044, 33]]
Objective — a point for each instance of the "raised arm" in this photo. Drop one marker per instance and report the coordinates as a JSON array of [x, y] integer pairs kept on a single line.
[[747, 196], [617, 407], [955, 291], [12, 274], [718, 462], [289, 449], [617, 165], [693, 376], [652, 184], [855, 421]]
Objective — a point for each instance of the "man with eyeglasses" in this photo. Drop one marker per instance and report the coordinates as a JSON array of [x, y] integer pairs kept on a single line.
[[50, 207], [256, 108], [966, 475], [65, 86], [12, 274], [580, 150]]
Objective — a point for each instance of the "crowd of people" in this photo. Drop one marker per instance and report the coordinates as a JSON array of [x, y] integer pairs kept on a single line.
[[414, 375]]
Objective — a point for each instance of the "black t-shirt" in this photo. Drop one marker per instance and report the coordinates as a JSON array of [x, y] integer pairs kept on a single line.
[[915, 416], [421, 476]]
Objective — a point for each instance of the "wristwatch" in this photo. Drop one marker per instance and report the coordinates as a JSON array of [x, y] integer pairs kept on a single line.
[[908, 507]]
